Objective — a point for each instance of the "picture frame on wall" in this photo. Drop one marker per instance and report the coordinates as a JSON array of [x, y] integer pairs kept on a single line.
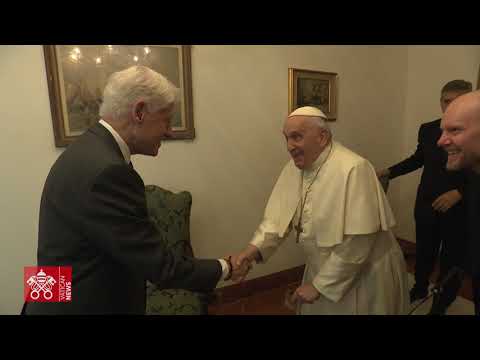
[[478, 78], [313, 88], [77, 75]]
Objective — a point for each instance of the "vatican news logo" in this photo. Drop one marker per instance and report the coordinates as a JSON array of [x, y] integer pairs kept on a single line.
[[47, 283]]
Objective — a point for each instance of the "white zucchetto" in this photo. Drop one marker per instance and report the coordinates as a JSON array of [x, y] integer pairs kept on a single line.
[[308, 111]]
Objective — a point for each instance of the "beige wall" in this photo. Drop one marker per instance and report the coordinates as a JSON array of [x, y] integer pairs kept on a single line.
[[429, 68], [28, 153], [240, 100]]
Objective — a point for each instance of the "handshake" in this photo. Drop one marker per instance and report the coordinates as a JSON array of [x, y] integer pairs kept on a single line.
[[242, 263]]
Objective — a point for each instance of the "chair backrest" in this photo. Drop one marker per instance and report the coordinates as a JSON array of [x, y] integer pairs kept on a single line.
[[167, 210]]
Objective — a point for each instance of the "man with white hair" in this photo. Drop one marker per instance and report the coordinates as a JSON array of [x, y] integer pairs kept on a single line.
[[330, 197], [461, 140], [93, 213]]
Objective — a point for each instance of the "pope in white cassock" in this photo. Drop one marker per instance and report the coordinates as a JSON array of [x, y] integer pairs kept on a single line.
[[331, 199]]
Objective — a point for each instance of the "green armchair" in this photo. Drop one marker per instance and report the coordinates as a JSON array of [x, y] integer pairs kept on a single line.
[[168, 209]]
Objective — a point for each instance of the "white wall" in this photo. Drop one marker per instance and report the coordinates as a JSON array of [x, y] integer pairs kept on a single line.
[[28, 153], [429, 68], [240, 101]]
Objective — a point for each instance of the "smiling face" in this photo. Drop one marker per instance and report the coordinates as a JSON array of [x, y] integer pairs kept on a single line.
[[151, 128], [461, 133], [305, 140]]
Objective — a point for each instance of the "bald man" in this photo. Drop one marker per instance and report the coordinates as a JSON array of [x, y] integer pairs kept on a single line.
[[439, 208], [329, 198], [461, 139]]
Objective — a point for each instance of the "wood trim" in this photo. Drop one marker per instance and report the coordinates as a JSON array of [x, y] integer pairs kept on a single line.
[[286, 277], [54, 92], [189, 132], [293, 277], [478, 79], [247, 288], [408, 247]]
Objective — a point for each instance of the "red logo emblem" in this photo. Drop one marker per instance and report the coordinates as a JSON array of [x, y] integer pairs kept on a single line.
[[47, 283]]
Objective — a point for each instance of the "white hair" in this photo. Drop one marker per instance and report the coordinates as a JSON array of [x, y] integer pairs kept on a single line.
[[321, 123], [126, 87]]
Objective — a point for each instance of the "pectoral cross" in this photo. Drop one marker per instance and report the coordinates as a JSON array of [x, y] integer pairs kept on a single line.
[[299, 227]]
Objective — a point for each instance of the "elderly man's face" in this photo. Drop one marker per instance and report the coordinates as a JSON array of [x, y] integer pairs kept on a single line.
[[461, 135], [154, 127], [305, 140]]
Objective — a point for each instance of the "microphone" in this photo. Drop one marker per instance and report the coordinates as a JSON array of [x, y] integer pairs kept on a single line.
[[437, 289], [455, 271]]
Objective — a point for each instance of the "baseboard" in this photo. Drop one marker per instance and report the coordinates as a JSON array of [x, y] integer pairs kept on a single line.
[[234, 292], [282, 278], [465, 291], [408, 247]]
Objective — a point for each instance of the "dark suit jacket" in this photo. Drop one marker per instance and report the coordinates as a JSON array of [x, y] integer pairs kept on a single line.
[[93, 217], [473, 211], [435, 180]]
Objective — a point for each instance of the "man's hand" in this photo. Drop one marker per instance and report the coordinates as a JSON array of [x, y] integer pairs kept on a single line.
[[239, 272], [243, 262], [305, 294], [382, 173], [446, 200]]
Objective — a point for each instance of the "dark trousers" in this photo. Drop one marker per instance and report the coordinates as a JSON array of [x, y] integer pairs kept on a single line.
[[440, 235]]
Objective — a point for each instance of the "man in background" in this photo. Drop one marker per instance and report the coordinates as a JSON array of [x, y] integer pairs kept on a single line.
[[439, 207], [461, 140]]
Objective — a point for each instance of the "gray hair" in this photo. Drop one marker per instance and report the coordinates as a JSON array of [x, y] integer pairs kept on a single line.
[[321, 123], [126, 87]]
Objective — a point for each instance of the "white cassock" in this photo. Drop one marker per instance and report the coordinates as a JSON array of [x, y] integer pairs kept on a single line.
[[352, 257]]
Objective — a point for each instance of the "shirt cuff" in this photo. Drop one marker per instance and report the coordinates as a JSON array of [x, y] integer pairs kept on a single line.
[[225, 268]]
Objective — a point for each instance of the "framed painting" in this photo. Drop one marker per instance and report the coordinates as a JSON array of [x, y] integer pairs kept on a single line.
[[478, 78], [313, 88], [77, 75]]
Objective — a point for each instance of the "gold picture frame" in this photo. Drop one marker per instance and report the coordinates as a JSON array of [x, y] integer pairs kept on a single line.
[[478, 79], [313, 88], [77, 75]]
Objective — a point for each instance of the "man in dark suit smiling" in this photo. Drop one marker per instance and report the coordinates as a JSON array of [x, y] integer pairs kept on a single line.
[[439, 207], [93, 214]]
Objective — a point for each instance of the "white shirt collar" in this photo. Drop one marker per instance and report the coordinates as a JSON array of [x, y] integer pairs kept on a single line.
[[121, 143]]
